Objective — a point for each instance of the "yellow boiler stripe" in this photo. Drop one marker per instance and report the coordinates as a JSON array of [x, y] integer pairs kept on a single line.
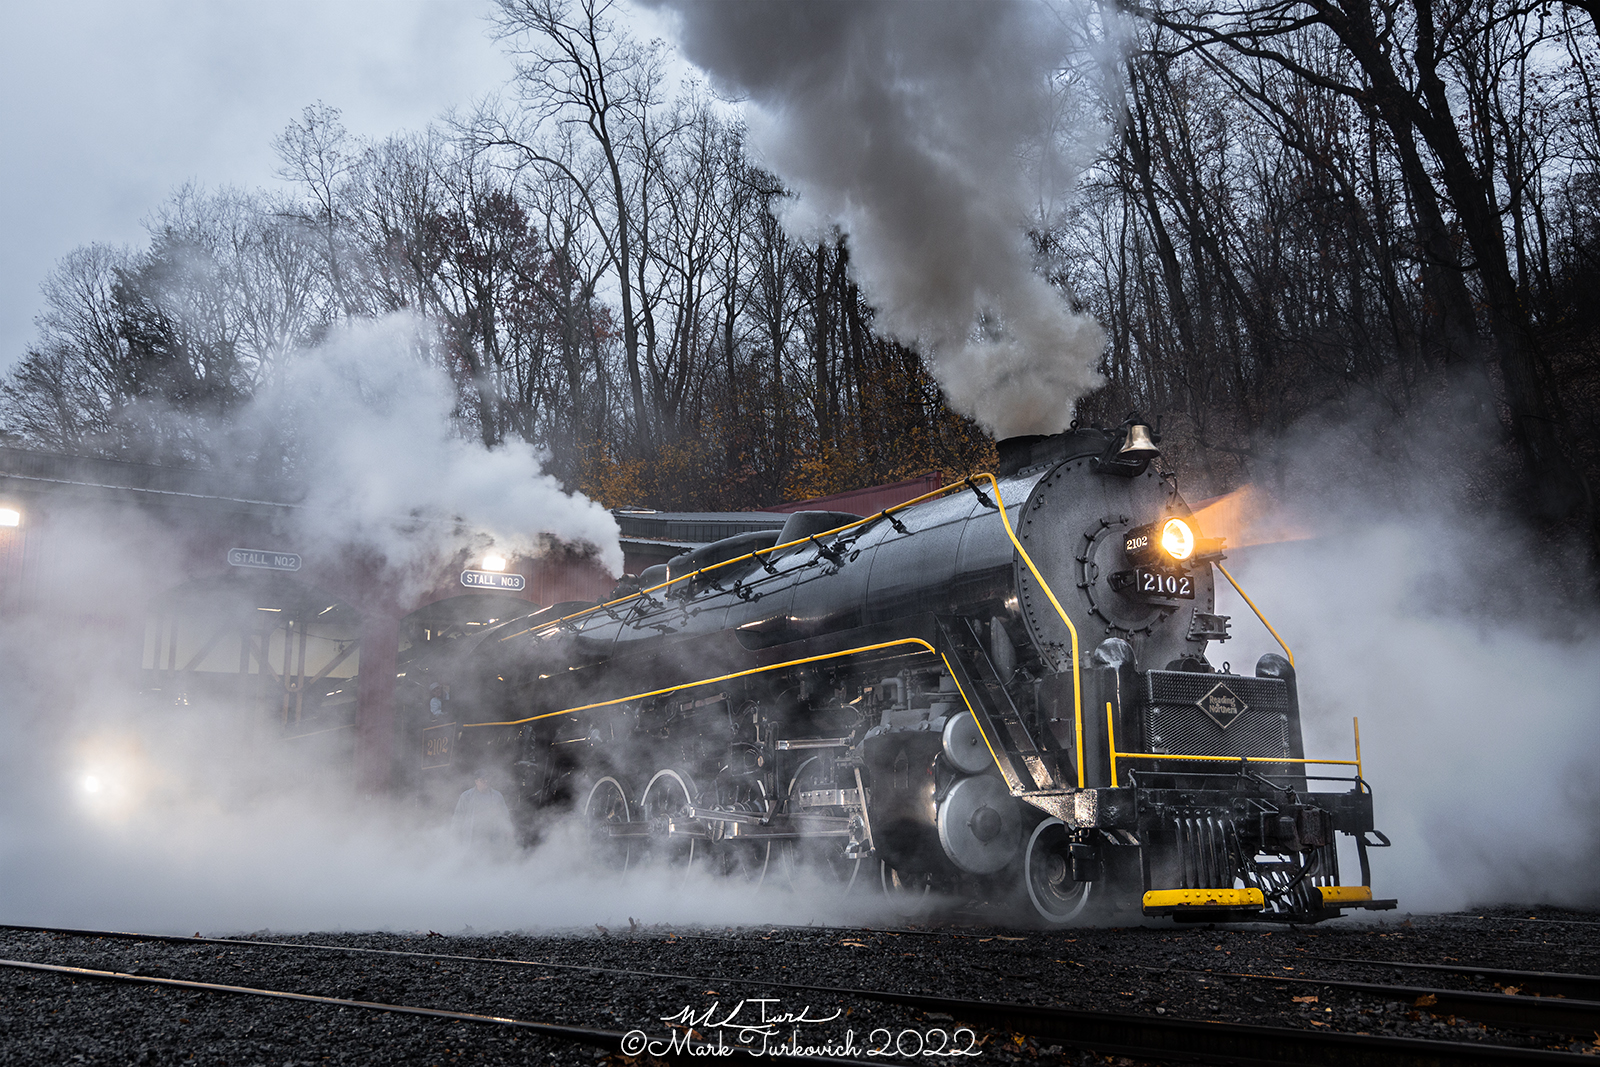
[[709, 681]]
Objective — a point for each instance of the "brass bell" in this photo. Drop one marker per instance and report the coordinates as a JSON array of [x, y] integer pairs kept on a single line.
[[1138, 444]]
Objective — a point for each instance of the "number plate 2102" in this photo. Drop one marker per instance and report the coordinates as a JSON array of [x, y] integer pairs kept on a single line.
[[1160, 583]]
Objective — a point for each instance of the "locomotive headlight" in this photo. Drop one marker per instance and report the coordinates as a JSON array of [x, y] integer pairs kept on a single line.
[[1161, 542], [1177, 539]]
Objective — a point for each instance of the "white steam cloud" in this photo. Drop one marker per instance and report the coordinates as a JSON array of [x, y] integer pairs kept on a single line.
[[389, 473], [932, 134], [290, 854], [1444, 628], [1439, 626], [148, 811]]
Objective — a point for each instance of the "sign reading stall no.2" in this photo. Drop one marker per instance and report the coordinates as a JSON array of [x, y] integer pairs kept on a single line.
[[492, 580], [268, 561]]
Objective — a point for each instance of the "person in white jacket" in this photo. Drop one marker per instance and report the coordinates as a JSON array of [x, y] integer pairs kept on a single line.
[[482, 818]]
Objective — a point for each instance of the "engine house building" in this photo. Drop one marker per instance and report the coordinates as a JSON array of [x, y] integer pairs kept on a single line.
[[186, 591]]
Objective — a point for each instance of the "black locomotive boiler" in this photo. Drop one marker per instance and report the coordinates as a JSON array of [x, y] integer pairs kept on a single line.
[[999, 690]]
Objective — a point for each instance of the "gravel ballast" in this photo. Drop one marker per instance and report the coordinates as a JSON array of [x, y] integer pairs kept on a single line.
[[1156, 968]]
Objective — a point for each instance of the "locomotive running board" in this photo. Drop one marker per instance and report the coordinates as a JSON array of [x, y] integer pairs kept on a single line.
[[693, 822]]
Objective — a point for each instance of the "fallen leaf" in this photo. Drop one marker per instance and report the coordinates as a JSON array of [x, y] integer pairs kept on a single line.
[[1427, 1000], [1304, 1000]]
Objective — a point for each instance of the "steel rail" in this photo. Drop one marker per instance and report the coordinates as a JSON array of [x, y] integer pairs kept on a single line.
[[1555, 1014], [1145, 1036], [1529, 919], [1103, 1032], [693, 1052], [1561, 983]]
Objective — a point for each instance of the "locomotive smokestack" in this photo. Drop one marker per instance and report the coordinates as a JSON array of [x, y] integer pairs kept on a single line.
[[1118, 452]]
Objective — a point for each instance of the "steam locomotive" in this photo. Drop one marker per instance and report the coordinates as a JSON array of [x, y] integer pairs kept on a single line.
[[998, 690]]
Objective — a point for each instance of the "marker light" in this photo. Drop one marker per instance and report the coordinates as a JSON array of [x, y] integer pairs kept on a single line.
[[91, 784], [1177, 539], [10, 517], [494, 563]]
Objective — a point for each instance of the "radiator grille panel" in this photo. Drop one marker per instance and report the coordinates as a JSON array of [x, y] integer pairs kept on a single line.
[[1176, 723]]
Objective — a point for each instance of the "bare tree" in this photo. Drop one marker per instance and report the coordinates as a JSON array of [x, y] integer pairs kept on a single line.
[[576, 68]]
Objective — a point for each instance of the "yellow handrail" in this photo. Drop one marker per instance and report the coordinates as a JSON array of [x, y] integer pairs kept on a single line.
[[1077, 686], [1111, 743], [1257, 610], [977, 720], [952, 487], [1231, 759], [708, 681]]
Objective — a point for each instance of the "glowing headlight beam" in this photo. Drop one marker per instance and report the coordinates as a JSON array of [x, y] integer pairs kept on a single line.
[[494, 563], [91, 784], [1177, 539]]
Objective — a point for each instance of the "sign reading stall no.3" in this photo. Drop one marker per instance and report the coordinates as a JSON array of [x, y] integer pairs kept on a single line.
[[492, 580], [268, 561]]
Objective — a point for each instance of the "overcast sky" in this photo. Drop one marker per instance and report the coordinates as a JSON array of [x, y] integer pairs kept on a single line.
[[107, 105]]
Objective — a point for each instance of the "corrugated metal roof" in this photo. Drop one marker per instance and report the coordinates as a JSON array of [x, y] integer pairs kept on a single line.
[[869, 500], [699, 527]]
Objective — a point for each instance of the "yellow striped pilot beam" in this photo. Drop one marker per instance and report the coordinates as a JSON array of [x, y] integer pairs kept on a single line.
[[1333, 895], [1240, 899]]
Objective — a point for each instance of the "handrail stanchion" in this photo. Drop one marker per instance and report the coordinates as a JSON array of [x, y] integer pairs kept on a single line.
[[1111, 744], [1238, 589]]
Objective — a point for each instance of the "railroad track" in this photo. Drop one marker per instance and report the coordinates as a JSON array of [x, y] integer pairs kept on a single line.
[[1136, 1035], [1554, 1015], [1549, 983]]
